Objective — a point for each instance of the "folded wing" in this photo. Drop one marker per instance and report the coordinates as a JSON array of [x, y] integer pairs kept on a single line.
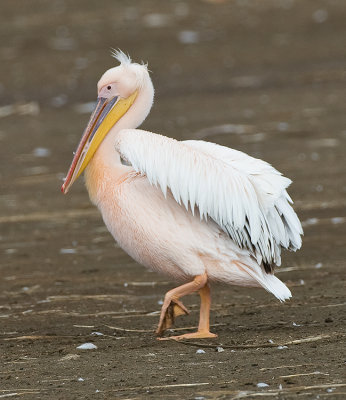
[[245, 196]]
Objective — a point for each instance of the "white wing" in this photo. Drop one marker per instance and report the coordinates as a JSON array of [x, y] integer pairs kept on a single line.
[[245, 196]]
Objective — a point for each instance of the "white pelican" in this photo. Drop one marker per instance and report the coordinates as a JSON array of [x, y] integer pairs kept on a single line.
[[194, 210]]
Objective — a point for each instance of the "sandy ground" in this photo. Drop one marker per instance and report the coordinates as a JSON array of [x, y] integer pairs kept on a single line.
[[265, 77]]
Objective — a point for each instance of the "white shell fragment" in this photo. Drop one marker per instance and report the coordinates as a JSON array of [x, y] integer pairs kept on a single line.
[[200, 351], [87, 346], [262, 385], [220, 349]]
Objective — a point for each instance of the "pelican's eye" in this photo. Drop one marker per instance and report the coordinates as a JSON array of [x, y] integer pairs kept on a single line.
[[108, 91]]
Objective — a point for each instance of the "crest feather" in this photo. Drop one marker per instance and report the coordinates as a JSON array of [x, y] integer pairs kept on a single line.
[[140, 70], [123, 58]]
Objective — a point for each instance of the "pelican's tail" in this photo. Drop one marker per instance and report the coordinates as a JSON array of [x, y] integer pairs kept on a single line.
[[273, 285], [268, 281]]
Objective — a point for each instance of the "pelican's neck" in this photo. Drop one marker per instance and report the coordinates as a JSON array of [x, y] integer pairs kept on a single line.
[[106, 159]]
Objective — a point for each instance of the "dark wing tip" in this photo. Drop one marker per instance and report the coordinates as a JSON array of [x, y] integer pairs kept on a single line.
[[268, 267]]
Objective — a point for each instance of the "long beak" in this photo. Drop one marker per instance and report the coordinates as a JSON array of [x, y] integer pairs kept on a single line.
[[106, 113]]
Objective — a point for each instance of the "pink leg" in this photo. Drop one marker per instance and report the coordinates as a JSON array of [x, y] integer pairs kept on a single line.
[[199, 283]]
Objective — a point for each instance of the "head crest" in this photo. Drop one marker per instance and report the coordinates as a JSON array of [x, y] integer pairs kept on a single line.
[[123, 58], [140, 70]]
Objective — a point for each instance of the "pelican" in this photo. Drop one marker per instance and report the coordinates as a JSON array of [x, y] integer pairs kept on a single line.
[[193, 210]]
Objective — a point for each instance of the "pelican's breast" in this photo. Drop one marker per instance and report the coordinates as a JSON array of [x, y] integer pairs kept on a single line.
[[154, 230]]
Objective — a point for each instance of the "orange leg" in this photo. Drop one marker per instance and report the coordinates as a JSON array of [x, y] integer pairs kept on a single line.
[[172, 303]]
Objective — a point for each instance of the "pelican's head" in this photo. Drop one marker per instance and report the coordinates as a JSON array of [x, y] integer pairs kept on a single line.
[[118, 89]]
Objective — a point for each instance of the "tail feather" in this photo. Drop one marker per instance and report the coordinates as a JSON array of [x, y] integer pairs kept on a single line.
[[273, 285], [269, 282]]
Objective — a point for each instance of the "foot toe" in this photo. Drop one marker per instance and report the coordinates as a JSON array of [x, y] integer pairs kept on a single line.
[[174, 309], [193, 335]]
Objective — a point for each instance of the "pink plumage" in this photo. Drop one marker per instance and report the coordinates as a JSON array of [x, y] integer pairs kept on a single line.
[[192, 210]]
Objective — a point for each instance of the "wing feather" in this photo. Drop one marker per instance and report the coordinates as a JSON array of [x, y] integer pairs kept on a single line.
[[246, 196]]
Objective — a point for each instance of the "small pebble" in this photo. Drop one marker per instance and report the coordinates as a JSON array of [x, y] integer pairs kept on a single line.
[[262, 385], [220, 349], [320, 15], [59, 101], [68, 251], [271, 341], [315, 156], [80, 379], [319, 188], [156, 20], [338, 220], [283, 126], [310, 221], [41, 152], [282, 347], [318, 265], [200, 351], [87, 346], [11, 251], [96, 333], [188, 37]]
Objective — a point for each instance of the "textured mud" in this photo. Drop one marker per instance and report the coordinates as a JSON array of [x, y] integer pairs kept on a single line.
[[265, 77]]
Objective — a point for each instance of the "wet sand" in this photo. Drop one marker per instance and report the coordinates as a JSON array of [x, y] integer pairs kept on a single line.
[[265, 77]]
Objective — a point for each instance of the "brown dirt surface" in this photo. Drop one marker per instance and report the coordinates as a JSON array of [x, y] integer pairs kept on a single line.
[[266, 77]]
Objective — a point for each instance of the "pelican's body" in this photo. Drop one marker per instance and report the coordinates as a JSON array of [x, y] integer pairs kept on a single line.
[[193, 210], [160, 234]]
